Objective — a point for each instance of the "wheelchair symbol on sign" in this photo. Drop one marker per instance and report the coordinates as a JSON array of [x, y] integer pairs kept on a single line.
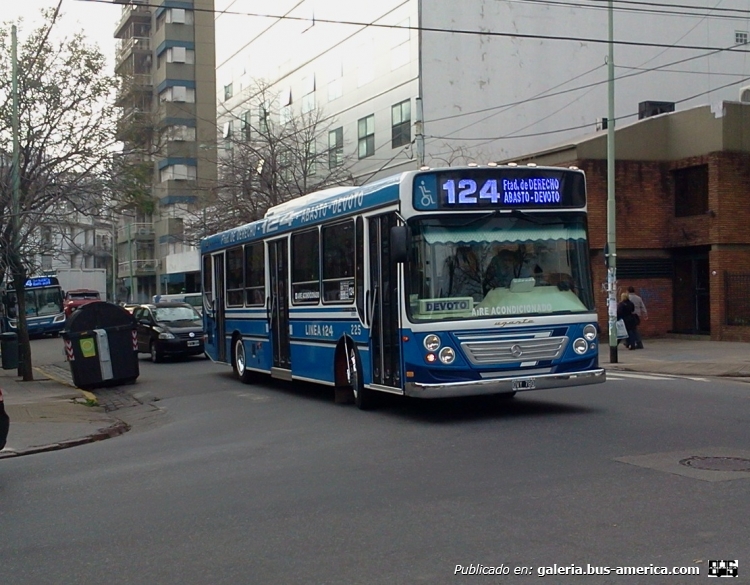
[[427, 199]]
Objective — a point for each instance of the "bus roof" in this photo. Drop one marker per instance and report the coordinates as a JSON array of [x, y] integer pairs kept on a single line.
[[310, 209]]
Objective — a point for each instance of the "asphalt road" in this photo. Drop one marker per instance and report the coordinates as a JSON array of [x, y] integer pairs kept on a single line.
[[275, 483]]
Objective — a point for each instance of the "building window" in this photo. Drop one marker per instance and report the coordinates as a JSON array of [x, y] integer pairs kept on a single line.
[[180, 55], [690, 191], [178, 16], [311, 157], [366, 136], [263, 115], [228, 91], [245, 125], [740, 37], [401, 124], [179, 134], [178, 93], [285, 106], [178, 173], [335, 148]]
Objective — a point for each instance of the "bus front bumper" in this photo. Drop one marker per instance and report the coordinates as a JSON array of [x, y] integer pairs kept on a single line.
[[505, 385]]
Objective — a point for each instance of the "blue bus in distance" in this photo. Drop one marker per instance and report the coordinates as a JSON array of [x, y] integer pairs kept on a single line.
[[44, 306]]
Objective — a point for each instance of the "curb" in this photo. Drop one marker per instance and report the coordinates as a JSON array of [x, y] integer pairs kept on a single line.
[[90, 397], [116, 429]]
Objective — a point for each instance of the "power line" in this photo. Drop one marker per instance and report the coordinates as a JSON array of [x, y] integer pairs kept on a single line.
[[582, 126], [467, 32]]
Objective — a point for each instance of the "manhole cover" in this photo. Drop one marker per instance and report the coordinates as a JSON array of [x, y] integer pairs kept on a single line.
[[717, 463]]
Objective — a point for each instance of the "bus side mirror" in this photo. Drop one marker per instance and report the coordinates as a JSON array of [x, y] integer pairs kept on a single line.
[[400, 243]]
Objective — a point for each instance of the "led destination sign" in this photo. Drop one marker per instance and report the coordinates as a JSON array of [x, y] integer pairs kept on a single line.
[[500, 189]]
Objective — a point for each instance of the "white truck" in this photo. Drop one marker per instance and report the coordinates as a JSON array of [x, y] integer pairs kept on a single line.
[[81, 285]]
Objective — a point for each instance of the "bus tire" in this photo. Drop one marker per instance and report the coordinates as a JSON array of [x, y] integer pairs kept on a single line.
[[363, 397], [239, 363]]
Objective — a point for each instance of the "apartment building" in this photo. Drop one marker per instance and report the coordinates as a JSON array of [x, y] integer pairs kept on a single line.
[[166, 63], [406, 83]]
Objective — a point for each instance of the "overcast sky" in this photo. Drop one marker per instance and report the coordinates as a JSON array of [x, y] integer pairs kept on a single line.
[[97, 20]]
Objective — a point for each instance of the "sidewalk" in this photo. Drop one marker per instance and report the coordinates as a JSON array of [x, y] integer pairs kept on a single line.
[[696, 356], [50, 413]]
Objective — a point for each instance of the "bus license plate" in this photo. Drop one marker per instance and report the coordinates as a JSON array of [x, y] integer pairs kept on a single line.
[[527, 384], [193, 343]]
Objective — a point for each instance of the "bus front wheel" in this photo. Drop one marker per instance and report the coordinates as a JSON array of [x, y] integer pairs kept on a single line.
[[240, 362], [363, 398]]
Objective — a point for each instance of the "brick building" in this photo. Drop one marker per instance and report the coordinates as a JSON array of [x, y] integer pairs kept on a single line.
[[683, 217]]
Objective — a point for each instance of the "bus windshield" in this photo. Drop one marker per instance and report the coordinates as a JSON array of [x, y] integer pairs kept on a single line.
[[40, 302], [515, 265]]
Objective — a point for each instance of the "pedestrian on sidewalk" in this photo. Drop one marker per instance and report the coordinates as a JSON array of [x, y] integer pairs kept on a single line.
[[640, 314], [626, 312]]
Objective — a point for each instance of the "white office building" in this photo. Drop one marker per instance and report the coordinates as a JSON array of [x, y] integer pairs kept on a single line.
[[405, 83]]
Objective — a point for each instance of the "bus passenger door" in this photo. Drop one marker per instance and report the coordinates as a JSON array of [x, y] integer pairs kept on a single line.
[[218, 307], [279, 307], [385, 346]]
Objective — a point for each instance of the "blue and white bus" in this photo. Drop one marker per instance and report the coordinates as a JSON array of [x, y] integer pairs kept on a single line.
[[433, 283], [44, 306]]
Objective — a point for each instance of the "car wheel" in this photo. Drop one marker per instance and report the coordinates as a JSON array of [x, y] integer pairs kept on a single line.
[[156, 355], [364, 399], [240, 362]]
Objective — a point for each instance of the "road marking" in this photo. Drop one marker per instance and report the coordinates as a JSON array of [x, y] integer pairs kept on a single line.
[[619, 375]]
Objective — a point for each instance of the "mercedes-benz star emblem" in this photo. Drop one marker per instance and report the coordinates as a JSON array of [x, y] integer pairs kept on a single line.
[[516, 351]]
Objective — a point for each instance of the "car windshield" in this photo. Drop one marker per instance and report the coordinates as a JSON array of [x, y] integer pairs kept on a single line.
[[489, 266], [171, 314]]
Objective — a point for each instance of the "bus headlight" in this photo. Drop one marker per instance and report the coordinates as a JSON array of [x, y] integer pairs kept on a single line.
[[447, 355], [589, 332], [580, 346], [432, 342]]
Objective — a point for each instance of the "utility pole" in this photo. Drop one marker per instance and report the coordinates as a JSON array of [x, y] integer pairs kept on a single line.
[[131, 297], [419, 133], [610, 252]]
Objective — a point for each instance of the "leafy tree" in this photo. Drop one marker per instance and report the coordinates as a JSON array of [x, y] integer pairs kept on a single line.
[[65, 137]]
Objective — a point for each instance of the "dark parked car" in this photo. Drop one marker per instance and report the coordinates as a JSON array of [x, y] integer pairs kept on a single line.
[[169, 328], [4, 422]]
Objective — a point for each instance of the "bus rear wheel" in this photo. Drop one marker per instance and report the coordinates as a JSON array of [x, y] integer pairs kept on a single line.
[[240, 362], [363, 398]]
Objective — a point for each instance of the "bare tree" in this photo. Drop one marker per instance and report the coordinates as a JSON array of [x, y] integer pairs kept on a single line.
[[268, 155], [65, 137]]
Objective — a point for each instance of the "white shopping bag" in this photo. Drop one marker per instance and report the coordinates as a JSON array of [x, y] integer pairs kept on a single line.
[[622, 332]]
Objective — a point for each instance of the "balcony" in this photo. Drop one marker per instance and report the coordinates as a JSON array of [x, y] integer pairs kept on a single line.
[[135, 231], [138, 267], [137, 12], [131, 87], [132, 45]]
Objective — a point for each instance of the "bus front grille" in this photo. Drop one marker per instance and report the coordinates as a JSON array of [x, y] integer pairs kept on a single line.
[[505, 351]]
